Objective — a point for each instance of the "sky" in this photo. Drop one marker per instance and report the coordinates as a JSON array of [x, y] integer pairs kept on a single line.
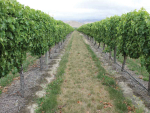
[[80, 10]]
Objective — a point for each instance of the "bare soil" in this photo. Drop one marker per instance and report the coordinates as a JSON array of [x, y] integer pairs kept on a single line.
[[12, 102]]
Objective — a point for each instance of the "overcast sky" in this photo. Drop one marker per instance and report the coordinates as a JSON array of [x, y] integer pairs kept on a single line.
[[86, 9]]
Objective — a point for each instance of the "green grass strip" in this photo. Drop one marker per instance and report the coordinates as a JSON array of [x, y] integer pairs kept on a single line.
[[120, 101], [48, 104], [134, 65]]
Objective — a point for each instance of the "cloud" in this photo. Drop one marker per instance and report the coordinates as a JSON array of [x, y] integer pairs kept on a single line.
[[86, 9], [111, 7]]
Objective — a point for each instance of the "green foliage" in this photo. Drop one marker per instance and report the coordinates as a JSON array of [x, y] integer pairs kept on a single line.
[[50, 100], [129, 32], [6, 80], [23, 29], [112, 33], [132, 32]]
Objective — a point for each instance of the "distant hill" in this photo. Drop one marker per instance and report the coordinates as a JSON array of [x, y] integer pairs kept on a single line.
[[74, 23], [77, 24], [87, 22]]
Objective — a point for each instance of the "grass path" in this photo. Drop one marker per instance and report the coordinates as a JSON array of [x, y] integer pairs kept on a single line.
[[82, 85], [81, 91]]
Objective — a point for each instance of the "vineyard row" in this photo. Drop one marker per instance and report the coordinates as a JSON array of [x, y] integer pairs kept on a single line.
[[128, 34], [24, 30]]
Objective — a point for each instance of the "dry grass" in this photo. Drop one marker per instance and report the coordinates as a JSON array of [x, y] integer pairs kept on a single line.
[[81, 92]]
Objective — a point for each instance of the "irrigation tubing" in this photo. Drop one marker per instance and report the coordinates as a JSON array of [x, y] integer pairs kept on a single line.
[[131, 76]]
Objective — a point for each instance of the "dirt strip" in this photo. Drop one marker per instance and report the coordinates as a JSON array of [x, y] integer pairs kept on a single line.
[[12, 102]]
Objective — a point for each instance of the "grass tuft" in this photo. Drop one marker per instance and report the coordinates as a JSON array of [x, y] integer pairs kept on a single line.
[[48, 104], [120, 101]]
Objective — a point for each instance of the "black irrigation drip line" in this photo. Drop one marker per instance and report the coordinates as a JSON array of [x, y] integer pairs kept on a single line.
[[132, 76]]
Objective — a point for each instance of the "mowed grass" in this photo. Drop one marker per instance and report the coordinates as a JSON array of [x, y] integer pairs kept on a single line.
[[122, 104], [82, 84], [6, 80], [48, 104], [81, 91]]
